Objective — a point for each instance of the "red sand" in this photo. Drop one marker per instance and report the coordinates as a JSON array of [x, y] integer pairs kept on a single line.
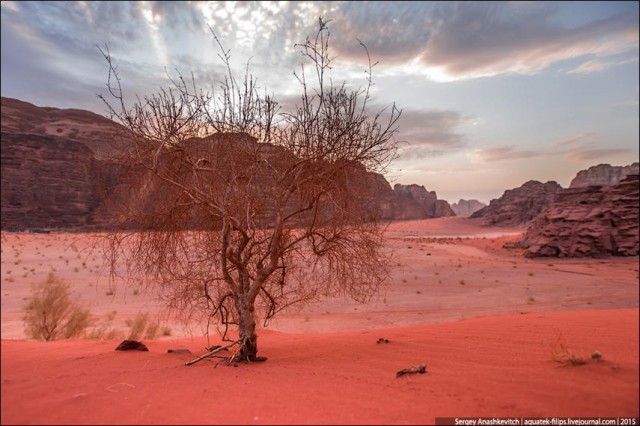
[[496, 362], [495, 366]]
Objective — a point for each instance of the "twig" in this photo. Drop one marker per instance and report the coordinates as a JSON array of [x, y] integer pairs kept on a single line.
[[420, 368], [208, 354]]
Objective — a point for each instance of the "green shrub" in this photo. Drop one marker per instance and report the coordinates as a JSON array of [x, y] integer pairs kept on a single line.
[[51, 314]]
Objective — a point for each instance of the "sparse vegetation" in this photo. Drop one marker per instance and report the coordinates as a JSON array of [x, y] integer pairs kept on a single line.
[[278, 188], [51, 314], [562, 354], [104, 332], [141, 326]]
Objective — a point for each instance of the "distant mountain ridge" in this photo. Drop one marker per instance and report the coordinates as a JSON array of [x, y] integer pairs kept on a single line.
[[518, 206], [91, 129], [603, 174], [467, 207], [56, 172], [593, 220]]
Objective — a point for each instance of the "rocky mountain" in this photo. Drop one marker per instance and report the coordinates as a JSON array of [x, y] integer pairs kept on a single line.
[[49, 181], [519, 205], [587, 221], [467, 207], [93, 130], [55, 172], [603, 174], [418, 203]]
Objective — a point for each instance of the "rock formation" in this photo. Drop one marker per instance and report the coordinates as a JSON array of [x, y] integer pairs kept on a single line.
[[518, 206], [48, 182], [587, 221], [55, 172], [418, 203], [467, 207], [603, 174], [93, 130]]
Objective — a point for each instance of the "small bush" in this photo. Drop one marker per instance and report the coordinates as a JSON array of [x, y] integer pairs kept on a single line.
[[51, 314], [142, 326], [105, 333], [562, 354], [166, 331]]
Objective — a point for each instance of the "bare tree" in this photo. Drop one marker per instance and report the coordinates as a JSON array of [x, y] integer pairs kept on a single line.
[[236, 209]]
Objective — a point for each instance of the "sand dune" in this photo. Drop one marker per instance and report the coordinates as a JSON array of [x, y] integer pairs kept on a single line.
[[483, 319], [495, 366]]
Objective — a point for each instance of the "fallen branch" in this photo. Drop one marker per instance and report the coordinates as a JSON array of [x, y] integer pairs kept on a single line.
[[420, 368], [208, 354]]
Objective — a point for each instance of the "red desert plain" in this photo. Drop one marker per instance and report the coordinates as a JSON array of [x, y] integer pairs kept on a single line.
[[496, 331]]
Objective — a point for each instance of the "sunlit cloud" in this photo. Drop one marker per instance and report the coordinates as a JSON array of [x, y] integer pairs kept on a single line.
[[451, 41], [501, 153], [594, 154], [580, 147], [574, 140], [596, 65], [430, 133], [153, 22], [11, 5]]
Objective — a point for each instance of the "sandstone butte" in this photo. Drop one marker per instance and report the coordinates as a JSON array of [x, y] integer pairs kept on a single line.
[[56, 172], [596, 220]]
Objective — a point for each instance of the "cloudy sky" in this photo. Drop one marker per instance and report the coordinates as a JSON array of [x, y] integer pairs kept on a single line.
[[493, 94]]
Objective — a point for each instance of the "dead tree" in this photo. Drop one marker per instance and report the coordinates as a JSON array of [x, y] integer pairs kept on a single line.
[[236, 209]]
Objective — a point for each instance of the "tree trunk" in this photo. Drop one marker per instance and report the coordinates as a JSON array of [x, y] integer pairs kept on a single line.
[[247, 328]]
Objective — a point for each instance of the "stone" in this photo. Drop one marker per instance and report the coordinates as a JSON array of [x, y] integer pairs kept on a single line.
[[467, 207], [592, 221], [603, 174], [518, 206]]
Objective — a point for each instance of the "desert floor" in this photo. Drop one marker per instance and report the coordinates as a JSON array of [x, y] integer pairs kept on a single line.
[[485, 320]]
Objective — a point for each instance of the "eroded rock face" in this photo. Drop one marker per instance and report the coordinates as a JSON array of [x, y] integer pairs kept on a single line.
[[520, 205], [467, 207], [603, 174], [93, 130], [587, 221], [416, 202], [55, 173], [48, 182]]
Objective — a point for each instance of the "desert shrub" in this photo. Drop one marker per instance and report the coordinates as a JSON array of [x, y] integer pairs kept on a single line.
[[166, 331], [105, 333], [562, 354], [142, 326], [51, 314]]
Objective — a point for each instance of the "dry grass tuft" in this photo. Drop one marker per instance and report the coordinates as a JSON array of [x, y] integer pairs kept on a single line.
[[50, 313], [142, 326], [562, 354]]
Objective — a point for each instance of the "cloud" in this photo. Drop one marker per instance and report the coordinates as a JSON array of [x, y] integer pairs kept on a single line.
[[462, 40], [501, 153], [578, 139], [430, 133], [579, 147], [593, 154], [596, 65], [441, 39]]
